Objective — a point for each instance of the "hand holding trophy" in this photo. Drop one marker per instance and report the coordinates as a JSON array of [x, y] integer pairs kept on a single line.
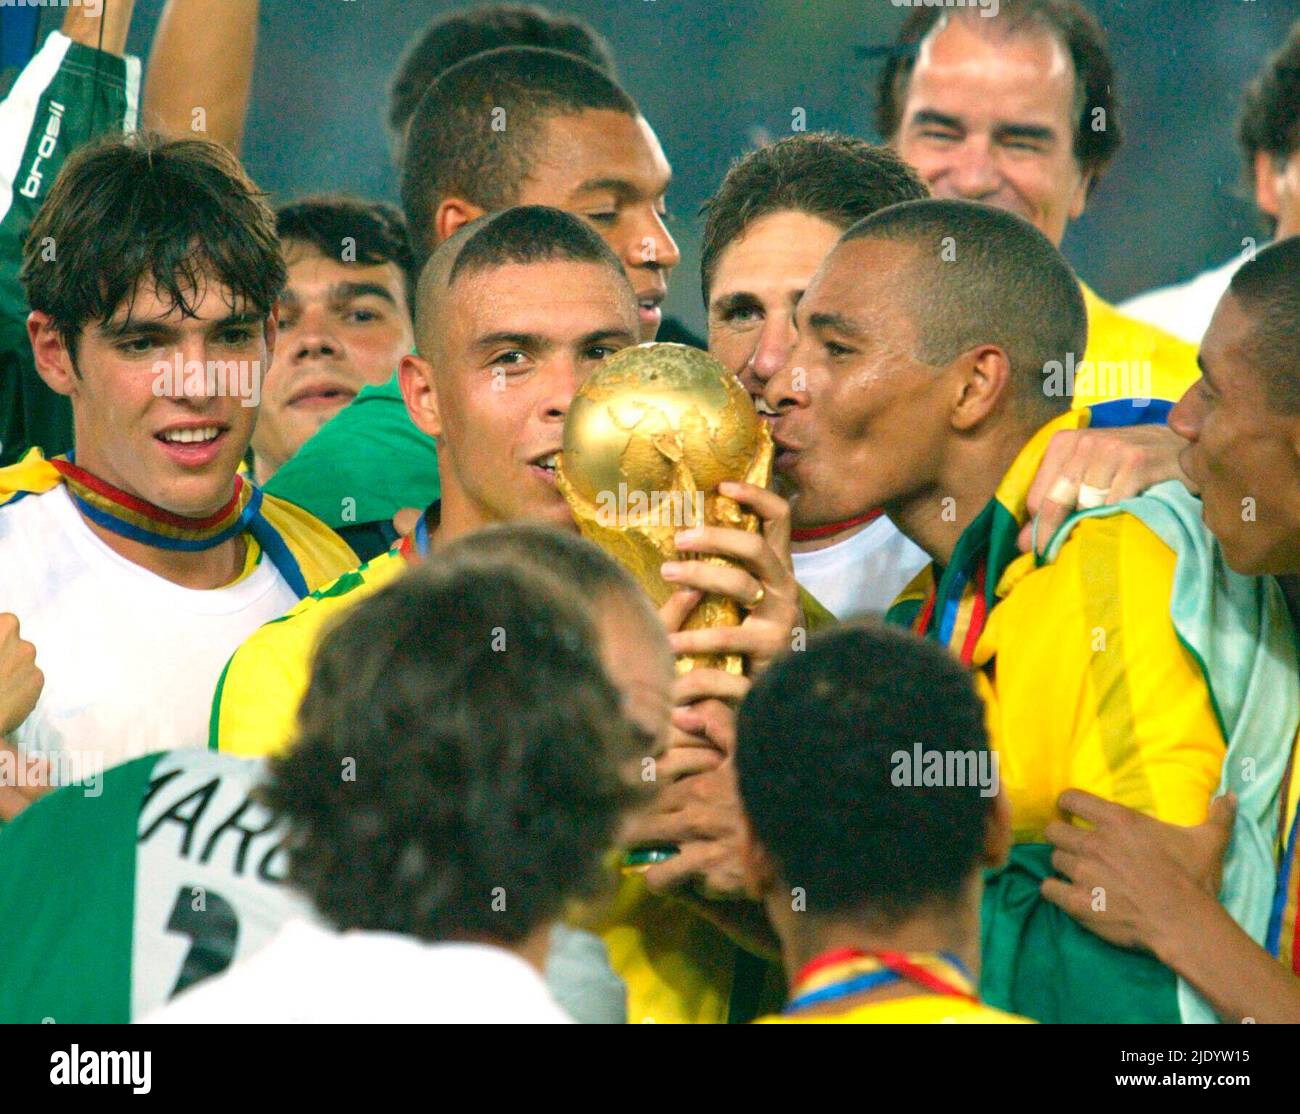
[[648, 439]]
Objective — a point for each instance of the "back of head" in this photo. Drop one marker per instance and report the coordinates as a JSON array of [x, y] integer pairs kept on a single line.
[[822, 737], [459, 741], [835, 177], [474, 133], [523, 234], [461, 34], [980, 275], [1268, 290], [1067, 21], [579, 564], [176, 214], [370, 232]]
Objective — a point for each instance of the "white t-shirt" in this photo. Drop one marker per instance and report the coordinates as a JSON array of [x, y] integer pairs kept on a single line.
[[130, 660], [863, 574], [1185, 309], [314, 975]]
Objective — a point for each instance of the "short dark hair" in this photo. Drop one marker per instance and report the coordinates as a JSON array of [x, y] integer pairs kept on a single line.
[[1269, 120], [1073, 25], [531, 234], [485, 741], [475, 131], [128, 209], [375, 232], [982, 275], [816, 758], [522, 234], [1268, 289], [451, 38], [835, 177]]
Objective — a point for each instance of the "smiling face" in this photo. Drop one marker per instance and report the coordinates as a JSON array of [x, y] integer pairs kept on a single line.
[[511, 345], [175, 442], [990, 117], [608, 168], [1242, 453], [757, 283], [343, 326], [862, 421]]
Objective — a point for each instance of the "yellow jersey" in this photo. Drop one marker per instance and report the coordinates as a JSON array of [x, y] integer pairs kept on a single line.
[[1127, 358]]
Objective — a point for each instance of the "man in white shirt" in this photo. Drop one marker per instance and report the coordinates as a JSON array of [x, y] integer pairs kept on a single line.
[[469, 740], [776, 216], [137, 564], [1268, 131]]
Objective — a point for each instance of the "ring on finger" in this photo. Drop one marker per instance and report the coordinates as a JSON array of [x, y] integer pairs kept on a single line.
[[1090, 496], [759, 596]]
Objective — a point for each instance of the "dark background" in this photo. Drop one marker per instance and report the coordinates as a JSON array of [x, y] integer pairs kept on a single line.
[[714, 75]]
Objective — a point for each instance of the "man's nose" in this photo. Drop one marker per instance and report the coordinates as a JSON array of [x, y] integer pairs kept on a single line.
[[971, 172]]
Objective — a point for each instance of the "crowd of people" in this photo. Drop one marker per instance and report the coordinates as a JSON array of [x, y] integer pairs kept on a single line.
[[305, 668]]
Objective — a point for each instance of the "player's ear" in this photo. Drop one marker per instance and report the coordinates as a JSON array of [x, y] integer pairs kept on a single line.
[[755, 863], [982, 379], [453, 213], [415, 378], [54, 363], [1266, 181], [997, 832]]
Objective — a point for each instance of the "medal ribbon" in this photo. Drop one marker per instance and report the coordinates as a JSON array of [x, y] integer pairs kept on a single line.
[[848, 971], [141, 521], [132, 517]]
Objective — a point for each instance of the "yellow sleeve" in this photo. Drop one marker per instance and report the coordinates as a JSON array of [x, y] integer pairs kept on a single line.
[[1088, 686], [255, 708], [1129, 358]]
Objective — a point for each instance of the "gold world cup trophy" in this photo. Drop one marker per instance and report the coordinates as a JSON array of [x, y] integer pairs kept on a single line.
[[648, 439]]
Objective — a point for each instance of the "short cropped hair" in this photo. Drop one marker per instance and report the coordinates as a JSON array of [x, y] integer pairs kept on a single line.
[[523, 234], [1070, 23], [835, 177], [816, 757], [374, 231], [1270, 109], [531, 234], [982, 275], [460, 34], [474, 133], [484, 741], [139, 209], [1268, 289]]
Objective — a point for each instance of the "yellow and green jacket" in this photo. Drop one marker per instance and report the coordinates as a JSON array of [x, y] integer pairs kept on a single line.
[[1122, 662]]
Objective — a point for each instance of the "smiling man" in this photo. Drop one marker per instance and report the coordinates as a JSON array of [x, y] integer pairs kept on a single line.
[[514, 126], [345, 317], [1018, 110], [137, 566]]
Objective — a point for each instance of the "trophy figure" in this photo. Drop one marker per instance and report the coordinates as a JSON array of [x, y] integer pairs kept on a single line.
[[648, 439]]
